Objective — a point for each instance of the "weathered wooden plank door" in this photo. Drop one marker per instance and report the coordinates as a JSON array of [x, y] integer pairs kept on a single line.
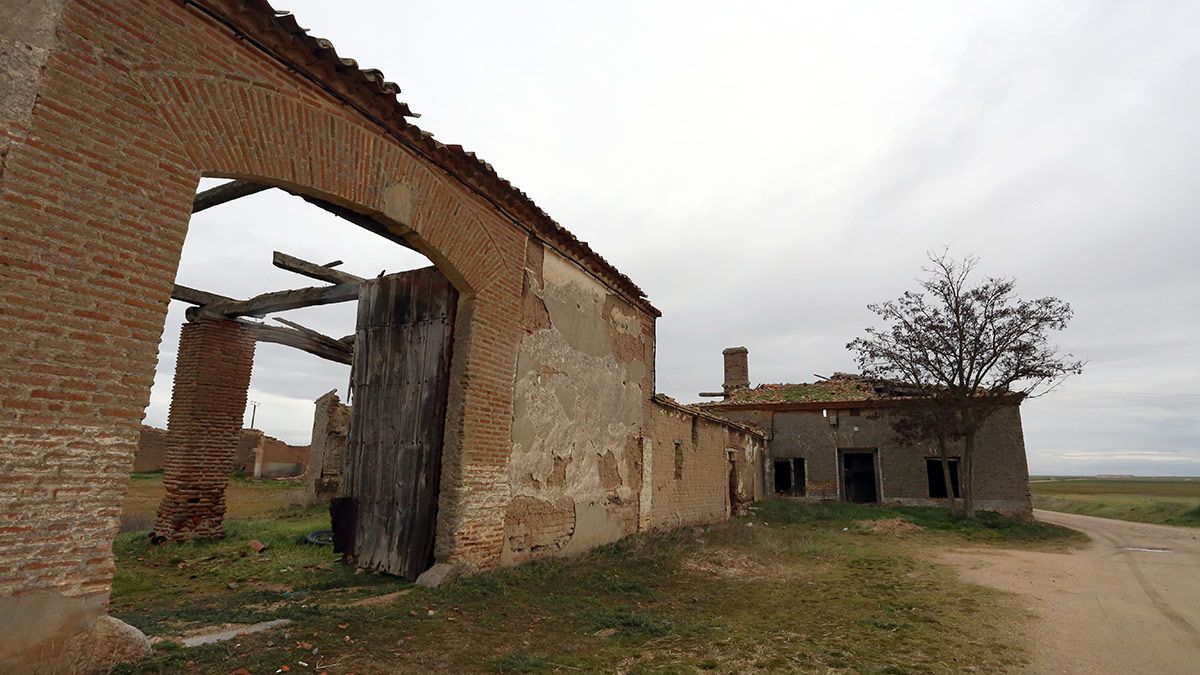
[[400, 378]]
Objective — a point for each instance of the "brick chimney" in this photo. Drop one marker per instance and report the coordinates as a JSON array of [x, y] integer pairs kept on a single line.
[[737, 369]]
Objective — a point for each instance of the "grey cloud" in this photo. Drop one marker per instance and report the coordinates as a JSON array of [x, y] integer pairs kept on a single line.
[[764, 171]]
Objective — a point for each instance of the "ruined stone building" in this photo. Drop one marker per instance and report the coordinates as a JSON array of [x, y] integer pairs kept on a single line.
[[833, 440], [547, 435], [257, 456]]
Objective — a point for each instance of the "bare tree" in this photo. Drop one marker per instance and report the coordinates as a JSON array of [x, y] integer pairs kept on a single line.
[[966, 349]]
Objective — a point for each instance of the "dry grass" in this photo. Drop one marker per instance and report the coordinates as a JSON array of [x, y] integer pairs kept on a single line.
[[794, 587]]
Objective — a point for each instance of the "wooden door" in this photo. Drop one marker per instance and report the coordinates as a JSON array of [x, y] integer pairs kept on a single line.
[[400, 379]]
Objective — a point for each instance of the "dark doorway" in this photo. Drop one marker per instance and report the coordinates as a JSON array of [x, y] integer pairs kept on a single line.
[[401, 375], [733, 485], [859, 483], [937, 479], [783, 476], [799, 480]]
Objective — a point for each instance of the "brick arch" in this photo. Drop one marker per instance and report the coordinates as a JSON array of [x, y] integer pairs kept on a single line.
[[98, 165], [257, 137]]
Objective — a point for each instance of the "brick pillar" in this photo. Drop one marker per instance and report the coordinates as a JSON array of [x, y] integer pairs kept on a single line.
[[737, 369], [212, 376]]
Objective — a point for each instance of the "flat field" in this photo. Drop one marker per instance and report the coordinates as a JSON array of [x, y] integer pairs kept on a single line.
[[1165, 501], [242, 498], [793, 587]]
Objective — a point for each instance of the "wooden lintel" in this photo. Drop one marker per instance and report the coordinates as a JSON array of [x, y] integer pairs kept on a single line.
[[366, 222], [299, 340], [312, 270], [225, 192], [280, 301]]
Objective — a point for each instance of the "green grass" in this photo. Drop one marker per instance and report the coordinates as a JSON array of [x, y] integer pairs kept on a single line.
[[795, 587], [1164, 501]]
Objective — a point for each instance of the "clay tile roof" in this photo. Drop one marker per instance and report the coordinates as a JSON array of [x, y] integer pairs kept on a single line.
[[371, 94]]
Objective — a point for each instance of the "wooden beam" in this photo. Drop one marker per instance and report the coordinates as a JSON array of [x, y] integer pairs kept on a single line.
[[196, 297], [333, 343], [312, 270], [225, 192], [298, 340], [279, 301], [366, 222]]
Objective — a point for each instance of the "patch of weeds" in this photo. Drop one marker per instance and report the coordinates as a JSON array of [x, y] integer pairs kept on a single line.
[[1187, 518], [988, 526], [629, 622]]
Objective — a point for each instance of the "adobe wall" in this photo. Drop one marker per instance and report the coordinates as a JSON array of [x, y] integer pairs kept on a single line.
[[689, 456], [327, 448], [272, 458], [151, 449], [1001, 472]]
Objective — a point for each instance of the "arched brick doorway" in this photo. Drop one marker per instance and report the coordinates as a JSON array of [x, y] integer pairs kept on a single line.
[[86, 311], [112, 114]]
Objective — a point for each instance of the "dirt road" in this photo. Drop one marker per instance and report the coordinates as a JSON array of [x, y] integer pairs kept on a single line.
[[1129, 603]]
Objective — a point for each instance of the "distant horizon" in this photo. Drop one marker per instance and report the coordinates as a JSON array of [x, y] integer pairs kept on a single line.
[[1109, 475]]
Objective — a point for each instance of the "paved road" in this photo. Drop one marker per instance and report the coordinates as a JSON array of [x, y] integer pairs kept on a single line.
[[1129, 603]]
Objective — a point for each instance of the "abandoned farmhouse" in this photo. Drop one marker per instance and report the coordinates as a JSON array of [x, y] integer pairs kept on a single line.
[[833, 440], [504, 401]]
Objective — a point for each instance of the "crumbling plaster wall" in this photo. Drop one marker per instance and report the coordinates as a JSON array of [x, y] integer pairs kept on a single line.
[[581, 382], [327, 449]]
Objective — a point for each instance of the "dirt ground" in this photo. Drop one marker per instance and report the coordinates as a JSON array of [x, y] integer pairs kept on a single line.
[[1129, 603]]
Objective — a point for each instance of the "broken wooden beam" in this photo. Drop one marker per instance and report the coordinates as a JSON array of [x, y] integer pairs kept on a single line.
[[197, 297], [225, 192], [280, 301], [291, 337], [312, 270], [333, 343]]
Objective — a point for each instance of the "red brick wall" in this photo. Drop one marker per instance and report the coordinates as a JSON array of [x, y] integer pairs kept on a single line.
[[138, 99], [204, 427]]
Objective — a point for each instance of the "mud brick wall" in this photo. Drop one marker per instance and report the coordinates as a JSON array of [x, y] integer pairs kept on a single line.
[[327, 449], [204, 427], [151, 450], [690, 456]]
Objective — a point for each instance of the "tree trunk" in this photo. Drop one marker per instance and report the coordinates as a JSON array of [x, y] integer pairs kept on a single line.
[[966, 476], [950, 500]]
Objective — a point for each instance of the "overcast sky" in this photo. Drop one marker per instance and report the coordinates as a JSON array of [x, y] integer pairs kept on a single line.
[[765, 170]]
